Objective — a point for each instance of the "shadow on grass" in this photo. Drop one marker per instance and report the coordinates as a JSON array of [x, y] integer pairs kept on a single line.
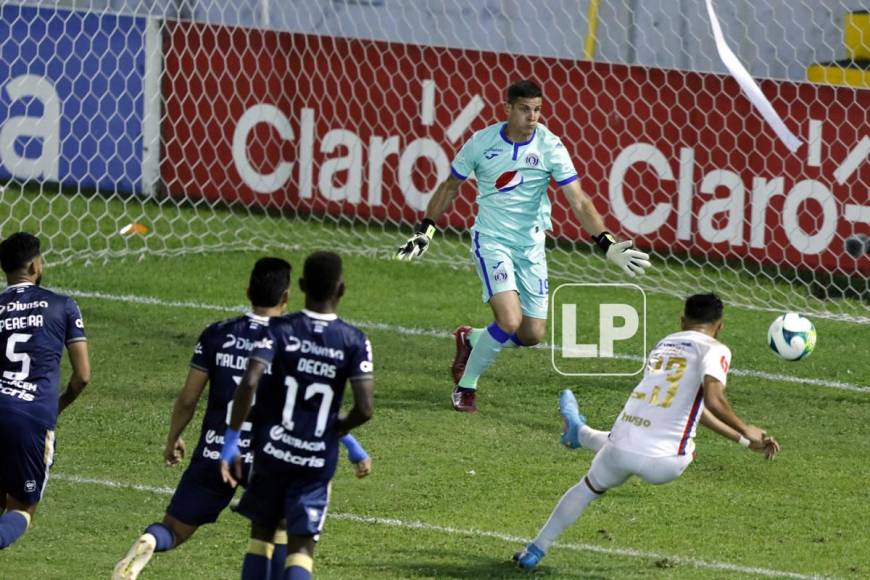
[[441, 563]]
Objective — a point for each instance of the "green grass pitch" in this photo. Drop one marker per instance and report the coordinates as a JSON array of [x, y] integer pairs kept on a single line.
[[450, 492]]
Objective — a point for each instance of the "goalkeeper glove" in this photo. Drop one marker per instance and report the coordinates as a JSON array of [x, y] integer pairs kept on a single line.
[[631, 261], [417, 244]]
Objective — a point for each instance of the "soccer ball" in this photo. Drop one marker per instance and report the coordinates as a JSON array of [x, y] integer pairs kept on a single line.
[[792, 336]]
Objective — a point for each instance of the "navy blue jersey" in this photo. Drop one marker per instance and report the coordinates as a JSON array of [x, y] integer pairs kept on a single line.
[[312, 356], [35, 325], [222, 352]]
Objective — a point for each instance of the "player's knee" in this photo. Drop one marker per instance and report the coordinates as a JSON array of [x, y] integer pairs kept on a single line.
[[509, 322], [530, 338], [262, 533], [531, 335]]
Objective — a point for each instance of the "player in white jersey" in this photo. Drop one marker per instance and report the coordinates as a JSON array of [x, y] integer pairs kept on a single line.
[[513, 163], [684, 382]]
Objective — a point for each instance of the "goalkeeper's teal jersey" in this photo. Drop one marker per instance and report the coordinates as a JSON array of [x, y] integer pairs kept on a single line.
[[512, 180]]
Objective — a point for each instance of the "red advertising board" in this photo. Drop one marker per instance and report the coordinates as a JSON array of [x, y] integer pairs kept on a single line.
[[675, 160]]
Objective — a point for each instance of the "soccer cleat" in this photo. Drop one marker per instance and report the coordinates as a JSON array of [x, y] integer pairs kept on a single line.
[[529, 557], [136, 559], [463, 400], [463, 351], [573, 419]]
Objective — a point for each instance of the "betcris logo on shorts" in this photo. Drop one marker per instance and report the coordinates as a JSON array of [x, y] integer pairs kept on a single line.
[[509, 181]]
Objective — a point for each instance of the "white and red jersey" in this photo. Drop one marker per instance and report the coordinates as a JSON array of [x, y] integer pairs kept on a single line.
[[660, 416]]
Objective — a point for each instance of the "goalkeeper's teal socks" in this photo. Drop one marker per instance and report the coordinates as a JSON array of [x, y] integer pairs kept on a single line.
[[489, 343]]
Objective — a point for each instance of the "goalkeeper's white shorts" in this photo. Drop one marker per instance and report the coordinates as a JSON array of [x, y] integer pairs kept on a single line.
[[612, 467]]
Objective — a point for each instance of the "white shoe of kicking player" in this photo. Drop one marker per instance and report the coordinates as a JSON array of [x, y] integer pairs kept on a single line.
[[136, 559]]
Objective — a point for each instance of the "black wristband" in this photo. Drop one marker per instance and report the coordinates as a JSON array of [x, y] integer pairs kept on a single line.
[[427, 227], [604, 240]]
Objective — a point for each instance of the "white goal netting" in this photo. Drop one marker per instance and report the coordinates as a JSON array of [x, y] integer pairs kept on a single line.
[[179, 126]]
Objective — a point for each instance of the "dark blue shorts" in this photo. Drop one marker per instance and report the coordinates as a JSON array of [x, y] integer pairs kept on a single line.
[[26, 454], [273, 496], [201, 495]]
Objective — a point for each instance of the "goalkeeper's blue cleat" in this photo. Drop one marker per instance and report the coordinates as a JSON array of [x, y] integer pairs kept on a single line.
[[529, 557], [573, 420]]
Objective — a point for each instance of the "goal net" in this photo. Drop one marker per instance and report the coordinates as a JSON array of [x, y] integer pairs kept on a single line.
[[179, 126]]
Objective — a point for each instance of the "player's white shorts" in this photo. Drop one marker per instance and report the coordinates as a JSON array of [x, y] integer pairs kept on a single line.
[[503, 267], [612, 466]]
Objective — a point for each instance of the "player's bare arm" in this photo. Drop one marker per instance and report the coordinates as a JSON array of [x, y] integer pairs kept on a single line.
[[583, 208], [242, 403], [363, 406], [632, 262], [182, 413], [81, 373], [439, 203], [768, 446], [718, 405]]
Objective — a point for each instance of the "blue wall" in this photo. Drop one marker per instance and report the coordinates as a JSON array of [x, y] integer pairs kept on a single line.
[[96, 64]]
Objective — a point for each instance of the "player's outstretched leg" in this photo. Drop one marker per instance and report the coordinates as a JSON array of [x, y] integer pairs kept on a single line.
[[570, 412]]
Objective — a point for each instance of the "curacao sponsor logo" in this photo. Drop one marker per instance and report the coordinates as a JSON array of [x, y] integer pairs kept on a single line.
[[278, 434], [509, 181], [212, 437]]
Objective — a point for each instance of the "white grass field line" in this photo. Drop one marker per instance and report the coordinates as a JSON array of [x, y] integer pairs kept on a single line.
[[517, 541], [368, 325]]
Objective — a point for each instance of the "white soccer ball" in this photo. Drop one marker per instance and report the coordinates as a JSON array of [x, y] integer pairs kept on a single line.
[[792, 336]]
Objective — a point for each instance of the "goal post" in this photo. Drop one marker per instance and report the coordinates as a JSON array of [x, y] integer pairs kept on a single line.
[[215, 124]]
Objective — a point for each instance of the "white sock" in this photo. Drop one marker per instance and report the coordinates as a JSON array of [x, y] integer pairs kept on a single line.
[[591, 438], [566, 512]]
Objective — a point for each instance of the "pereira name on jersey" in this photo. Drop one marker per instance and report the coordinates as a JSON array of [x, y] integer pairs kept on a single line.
[[661, 415], [512, 180], [222, 352], [312, 357], [35, 325]]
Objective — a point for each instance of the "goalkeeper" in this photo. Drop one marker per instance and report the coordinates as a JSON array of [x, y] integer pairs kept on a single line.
[[512, 162]]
